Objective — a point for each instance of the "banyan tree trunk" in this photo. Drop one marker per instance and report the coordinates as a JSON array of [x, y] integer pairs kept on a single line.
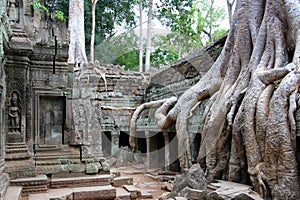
[[249, 129]]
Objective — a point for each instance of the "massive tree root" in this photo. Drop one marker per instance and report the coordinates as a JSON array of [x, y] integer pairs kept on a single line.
[[249, 129]]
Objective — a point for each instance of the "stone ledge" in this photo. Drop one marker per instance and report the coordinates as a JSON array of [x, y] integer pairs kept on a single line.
[[93, 180], [83, 193], [120, 181]]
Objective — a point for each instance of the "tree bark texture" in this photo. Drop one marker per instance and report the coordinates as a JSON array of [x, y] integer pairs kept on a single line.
[[92, 56], [149, 35], [77, 52], [141, 52], [249, 128]]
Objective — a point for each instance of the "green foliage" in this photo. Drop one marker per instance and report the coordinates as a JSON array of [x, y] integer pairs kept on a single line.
[[189, 22], [166, 50], [38, 5], [50, 10], [60, 15], [110, 15], [129, 60], [201, 17], [161, 57], [119, 50]]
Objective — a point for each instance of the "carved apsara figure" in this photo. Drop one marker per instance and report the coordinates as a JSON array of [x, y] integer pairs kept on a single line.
[[13, 10], [14, 114], [80, 124]]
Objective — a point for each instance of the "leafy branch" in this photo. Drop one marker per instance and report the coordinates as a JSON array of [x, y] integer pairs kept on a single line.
[[58, 14]]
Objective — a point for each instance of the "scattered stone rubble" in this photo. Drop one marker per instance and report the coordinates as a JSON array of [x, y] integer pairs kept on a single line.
[[192, 184], [124, 157]]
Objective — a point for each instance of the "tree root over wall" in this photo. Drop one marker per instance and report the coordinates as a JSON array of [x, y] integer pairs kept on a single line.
[[249, 130]]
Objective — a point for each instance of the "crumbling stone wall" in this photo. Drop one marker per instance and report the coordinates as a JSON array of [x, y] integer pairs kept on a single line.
[[102, 101]]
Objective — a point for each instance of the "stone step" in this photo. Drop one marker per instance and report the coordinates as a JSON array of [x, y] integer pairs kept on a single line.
[[16, 150], [145, 195], [45, 147], [31, 184], [84, 181], [57, 162], [13, 193], [134, 192], [120, 181], [61, 168], [92, 193], [16, 145], [56, 156], [17, 156], [122, 194]]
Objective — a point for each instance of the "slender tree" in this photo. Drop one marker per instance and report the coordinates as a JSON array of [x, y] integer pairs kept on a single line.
[[211, 39], [229, 9], [94, 2], [141, 37], [149, 35], [77, 53]]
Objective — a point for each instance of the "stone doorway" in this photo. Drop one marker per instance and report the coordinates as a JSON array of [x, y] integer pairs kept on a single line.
[[106, 143], [124, 139], [51, 120]]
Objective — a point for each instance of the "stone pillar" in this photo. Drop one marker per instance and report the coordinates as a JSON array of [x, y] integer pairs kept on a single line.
[[147, 135], [4, 179], [115, 135], [167, 150]]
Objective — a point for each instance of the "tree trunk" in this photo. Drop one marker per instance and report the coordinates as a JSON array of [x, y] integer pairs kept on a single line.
[[92, 59], [229, 9], [141, 37], [149, 35], [249, 130], [77, 53], [211, 20]]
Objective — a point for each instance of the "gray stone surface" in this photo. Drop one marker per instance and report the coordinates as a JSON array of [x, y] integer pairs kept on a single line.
[[192, 178], [231, 190]]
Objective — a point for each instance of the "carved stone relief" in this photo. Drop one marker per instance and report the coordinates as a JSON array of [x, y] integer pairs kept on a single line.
[[14, 115], [14, 122], [51, 120], [81, 122]]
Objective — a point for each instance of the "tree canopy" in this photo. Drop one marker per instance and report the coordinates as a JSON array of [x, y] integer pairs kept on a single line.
[[111, 15]]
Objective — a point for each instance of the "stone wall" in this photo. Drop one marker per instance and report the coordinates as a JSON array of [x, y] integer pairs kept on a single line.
[[103, 98], [37, 84], [4, 35]]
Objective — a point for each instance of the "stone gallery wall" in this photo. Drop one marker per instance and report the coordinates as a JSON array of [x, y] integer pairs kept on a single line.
[[4, 34]]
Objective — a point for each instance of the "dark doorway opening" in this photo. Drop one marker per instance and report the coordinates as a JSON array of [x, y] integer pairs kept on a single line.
[[141, 143], [124, 139], [106, 143], [174, 161], [157, 151], [195, 146]]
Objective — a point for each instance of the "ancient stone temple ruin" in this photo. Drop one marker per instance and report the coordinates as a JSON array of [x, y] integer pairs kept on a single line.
[[60, 120]]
